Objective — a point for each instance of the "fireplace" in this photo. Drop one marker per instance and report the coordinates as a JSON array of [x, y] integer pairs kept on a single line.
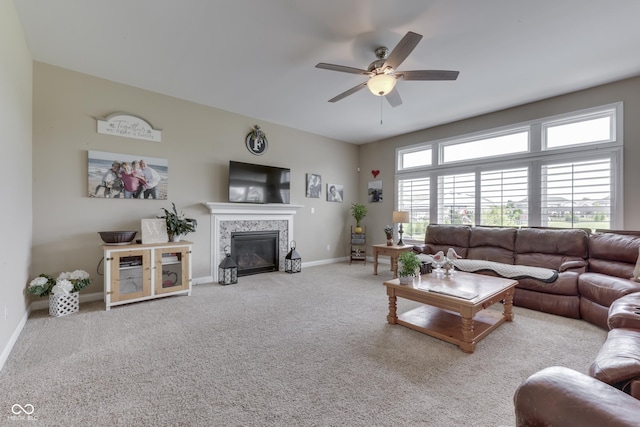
[[255, 251], [227, 218]]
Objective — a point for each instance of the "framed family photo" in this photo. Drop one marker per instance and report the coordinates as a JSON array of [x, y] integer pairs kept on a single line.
[[127, 176]]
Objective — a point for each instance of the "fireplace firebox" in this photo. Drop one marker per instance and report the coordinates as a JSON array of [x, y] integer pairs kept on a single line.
[[255, 251]]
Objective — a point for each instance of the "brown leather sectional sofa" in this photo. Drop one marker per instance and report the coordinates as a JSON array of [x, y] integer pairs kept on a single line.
[[608, 396], [594, 269], [593, 283]]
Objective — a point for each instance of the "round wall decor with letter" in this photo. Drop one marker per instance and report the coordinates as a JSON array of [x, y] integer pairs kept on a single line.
[[257, 141]]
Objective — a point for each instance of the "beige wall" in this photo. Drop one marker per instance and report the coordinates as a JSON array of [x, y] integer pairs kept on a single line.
[[381, 155], [198, 142], [15, 175]]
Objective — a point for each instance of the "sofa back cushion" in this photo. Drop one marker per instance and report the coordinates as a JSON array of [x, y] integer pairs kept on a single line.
[[441, 237], [492, 244], [613, 253], [550, 248]]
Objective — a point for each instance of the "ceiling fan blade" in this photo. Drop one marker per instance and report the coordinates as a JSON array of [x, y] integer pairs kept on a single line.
[[348, 92], [402, 50], [428, 75], [341, 68], [394, 98]]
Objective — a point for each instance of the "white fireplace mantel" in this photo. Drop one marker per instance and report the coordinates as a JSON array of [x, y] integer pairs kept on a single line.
[[252, 208], [221, 212]]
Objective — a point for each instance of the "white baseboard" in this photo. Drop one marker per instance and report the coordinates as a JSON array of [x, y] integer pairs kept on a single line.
[[324, 262], [14, 338], [202, 280]]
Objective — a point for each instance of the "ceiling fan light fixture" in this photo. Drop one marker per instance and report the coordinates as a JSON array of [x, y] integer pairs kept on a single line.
[[381, 84]]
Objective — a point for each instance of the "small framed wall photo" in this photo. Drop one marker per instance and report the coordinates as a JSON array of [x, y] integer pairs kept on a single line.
[[335, 192], [374, 191], [314, 185]]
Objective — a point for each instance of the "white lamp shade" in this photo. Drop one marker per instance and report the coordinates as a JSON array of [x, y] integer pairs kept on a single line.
[[381, 84], [401, 217]]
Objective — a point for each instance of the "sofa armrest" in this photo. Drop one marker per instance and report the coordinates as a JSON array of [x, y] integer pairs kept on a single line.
[[559, 396], [580, 265]]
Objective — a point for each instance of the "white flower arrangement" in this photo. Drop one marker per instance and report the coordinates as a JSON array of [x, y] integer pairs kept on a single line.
[[65, 284]]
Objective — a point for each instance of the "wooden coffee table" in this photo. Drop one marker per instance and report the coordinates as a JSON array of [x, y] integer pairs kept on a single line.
[[458, 320]]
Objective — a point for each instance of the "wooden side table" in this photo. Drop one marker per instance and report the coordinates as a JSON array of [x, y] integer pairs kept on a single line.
[[392, 252]]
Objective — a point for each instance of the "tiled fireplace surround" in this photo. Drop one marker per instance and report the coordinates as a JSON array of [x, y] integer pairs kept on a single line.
[[230, 217]]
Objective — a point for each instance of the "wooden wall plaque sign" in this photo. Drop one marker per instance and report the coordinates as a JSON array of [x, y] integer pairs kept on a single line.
[[128, 126]]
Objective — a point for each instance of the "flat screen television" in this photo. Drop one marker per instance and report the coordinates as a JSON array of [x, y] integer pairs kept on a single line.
[[250, 183]]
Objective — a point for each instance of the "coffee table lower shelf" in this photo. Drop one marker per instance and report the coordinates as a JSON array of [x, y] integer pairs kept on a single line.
[[448, 326]]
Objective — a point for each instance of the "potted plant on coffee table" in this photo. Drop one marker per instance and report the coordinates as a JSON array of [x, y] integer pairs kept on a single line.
[[408, 265], [177, 224]]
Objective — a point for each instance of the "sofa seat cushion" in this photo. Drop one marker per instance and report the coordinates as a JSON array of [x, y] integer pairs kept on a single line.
[[605, 289], [618, 360], [625, 312]]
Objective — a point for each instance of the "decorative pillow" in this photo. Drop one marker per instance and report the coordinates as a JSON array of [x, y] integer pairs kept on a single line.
[[636, 270]]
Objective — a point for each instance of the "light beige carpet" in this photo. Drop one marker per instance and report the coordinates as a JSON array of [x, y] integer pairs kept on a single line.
[[308, 349]]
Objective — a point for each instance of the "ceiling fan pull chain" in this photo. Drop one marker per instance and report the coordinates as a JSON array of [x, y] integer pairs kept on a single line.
[[381, 109]]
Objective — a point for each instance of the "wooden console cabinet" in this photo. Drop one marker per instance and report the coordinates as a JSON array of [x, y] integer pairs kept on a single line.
[[140, 272]]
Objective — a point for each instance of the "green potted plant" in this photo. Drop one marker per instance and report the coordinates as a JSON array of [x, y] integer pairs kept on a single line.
[[63, 291], [408, 265], [359, 211], [177, 224]]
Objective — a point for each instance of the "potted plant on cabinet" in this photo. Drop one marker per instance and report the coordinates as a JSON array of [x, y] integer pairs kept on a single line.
[[408, 265], [177, 224], [359, 211]]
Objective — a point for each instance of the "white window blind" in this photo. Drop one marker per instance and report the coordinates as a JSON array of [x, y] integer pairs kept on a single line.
[[504, 197], [577, 194], [456, 199], [413, 197]]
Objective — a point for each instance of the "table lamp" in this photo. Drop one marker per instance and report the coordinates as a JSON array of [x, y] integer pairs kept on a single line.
[[400, 217]]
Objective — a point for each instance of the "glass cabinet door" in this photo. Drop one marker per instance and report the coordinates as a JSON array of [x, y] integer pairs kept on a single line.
[[171, 270], [130, 275]]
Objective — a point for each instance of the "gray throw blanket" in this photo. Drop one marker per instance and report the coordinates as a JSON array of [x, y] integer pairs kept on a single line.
[[504, 270]]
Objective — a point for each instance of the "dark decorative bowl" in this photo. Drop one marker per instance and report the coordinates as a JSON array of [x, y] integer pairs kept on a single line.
[[117, 237]]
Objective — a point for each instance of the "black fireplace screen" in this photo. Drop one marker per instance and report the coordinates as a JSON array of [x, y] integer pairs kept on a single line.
[[255, 251]]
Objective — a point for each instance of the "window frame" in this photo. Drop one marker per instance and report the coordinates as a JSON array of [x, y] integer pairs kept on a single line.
[[537, 156]]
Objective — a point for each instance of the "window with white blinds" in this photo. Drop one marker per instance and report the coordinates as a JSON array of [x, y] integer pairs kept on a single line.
[[560, 171], [504, 197], [457, 199], [413, 197], [577, 194]]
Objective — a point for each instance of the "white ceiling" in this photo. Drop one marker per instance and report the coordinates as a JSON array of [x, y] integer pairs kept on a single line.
[[258, 57]]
